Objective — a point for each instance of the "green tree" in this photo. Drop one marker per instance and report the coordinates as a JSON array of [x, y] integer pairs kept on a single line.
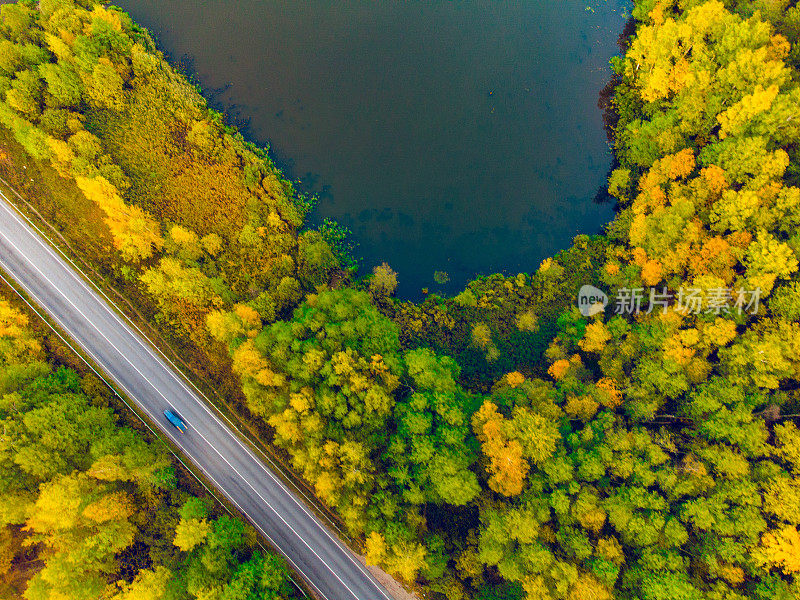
[[64, 87], [428, 456], [25, 95]]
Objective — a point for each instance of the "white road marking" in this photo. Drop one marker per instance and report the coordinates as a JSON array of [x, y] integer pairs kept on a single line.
[[86, 318], [155, 420], [52, 248], [213, 416]]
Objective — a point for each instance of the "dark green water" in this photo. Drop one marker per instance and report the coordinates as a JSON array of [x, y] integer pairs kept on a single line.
[[455, 136]]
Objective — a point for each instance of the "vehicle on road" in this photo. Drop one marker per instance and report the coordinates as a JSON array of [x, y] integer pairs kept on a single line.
[[176, 420]]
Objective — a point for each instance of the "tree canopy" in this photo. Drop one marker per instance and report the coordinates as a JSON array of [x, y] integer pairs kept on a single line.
[[498, 444]]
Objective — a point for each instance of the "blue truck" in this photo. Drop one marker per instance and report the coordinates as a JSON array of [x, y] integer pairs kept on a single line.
[[175, 419]]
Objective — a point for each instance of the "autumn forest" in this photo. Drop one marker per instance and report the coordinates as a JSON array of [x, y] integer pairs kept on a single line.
[[499, 444]]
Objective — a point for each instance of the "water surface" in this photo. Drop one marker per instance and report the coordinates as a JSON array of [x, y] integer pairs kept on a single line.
[[462, 137]]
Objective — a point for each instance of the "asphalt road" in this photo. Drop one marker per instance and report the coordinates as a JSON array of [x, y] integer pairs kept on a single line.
[[136, 367]]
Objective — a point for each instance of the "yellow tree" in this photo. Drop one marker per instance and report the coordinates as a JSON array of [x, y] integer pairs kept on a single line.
[[507, 467], [136, 235], [780, 549]]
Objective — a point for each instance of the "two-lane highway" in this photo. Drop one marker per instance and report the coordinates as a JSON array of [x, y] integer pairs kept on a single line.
[[145, 376]]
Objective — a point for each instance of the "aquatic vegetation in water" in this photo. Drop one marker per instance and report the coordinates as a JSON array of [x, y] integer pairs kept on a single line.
[[441, 277]]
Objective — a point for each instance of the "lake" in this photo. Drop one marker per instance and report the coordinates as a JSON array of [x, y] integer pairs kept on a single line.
[[461, 137]]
